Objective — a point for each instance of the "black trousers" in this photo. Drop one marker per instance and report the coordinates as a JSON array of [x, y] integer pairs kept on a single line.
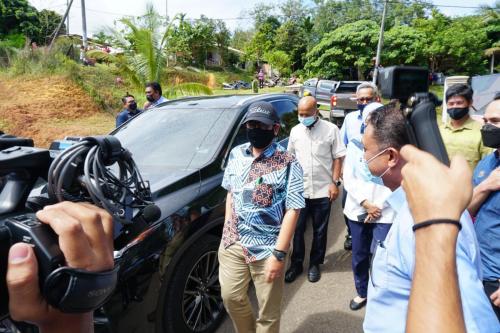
[[319, 210], [490, 287]]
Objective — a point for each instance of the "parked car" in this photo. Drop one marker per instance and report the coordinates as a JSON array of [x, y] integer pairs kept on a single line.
[[320, 89], [343, 101], [168, 276]]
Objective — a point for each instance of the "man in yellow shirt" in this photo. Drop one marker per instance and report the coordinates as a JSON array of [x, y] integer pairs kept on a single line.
[[461, 134]]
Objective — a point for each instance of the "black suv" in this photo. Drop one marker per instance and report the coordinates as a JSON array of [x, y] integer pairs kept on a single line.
[[168, 281]]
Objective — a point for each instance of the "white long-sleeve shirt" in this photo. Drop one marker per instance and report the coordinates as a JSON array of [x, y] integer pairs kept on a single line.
[[359, 189]]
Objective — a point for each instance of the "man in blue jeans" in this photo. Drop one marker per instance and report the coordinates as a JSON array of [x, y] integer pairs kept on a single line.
[[317, 145]]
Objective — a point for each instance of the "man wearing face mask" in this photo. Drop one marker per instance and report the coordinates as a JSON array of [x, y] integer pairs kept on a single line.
[[485, 204], [129, 110], [394, 259], [153, 95], [461, 134], [368, 216], [265, 194], [317, 145], [366, 93]]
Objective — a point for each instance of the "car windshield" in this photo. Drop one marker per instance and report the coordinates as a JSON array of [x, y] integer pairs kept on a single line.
[[176, 138], [347, 88]]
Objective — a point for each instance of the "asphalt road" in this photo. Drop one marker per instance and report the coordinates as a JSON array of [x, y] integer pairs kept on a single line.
[[323, 306]]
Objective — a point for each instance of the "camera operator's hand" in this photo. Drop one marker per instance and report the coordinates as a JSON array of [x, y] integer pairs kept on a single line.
[[86, 240], [433, 190]]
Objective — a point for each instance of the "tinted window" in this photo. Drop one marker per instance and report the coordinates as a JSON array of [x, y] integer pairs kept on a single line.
[[326, 85], [310, 83], [287, 111], [347, 88]]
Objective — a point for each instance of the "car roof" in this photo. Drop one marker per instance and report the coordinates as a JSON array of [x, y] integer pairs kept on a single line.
[[222, 101]]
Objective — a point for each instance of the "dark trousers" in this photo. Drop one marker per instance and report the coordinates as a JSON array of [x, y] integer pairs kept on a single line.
[[490, 287], [344, 198], [319, 210], [364, 236]]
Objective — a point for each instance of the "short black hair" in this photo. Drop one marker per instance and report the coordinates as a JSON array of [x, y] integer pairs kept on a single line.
[[460, 89], [155, 85], [124, 98], [497, 96], [389, 129]]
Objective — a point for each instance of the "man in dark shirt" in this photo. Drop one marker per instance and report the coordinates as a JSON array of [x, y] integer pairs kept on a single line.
[[485, 205], [129, 110]]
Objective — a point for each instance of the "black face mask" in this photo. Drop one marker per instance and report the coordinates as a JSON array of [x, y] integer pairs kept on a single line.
[[150, 98], [132, 106], [491, 136], [260, 138], [458, 113]]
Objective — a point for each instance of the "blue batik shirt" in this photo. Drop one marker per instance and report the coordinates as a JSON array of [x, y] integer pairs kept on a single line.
[[263, 188], [488, 220], [392, 272]]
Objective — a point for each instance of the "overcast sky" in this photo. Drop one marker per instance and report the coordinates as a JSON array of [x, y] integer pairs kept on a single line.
[[102, 13]]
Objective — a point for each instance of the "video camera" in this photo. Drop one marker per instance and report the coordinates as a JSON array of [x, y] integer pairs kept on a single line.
[[410, 85], [94, 169]]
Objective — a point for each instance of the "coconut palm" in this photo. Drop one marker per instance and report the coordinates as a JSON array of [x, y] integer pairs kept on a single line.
[[145, 52]]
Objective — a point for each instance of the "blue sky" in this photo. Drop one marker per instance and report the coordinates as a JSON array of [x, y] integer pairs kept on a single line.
[[102, 13]]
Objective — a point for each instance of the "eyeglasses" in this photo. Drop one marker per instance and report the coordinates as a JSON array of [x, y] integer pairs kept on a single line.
[[365, 99]]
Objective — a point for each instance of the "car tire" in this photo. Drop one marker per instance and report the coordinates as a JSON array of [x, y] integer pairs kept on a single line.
[[191, 302]]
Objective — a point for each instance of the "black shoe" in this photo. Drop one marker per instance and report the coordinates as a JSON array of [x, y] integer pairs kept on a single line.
[[314, 273], [348, 243], [292, 273], [355, 305]]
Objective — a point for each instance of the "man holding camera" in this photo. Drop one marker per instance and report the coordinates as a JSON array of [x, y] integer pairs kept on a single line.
[[461, 134], [86, 240], [394, 259], [485, 205]]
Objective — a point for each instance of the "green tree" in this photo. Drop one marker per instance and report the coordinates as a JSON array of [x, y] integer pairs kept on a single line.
[[280, 60], [292, 39], [263, 40], [404, 45], [48, 21], [350, 47], [241, 38]]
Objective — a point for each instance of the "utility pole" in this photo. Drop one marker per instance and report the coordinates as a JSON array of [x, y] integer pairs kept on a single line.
[[56, 32], [67, 19], [84, 26], [380, 43], [166, 11]]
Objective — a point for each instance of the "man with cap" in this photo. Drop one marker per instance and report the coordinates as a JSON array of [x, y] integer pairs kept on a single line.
[[317, 145], [265, 195]]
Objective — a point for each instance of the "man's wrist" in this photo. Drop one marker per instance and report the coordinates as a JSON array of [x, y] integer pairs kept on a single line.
[[76, 323]]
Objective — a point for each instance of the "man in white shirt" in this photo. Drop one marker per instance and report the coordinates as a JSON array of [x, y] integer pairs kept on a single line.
[[317, 145], [366, 93], [366, 209]]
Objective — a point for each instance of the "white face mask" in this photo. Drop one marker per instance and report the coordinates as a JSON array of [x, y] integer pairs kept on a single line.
[[368, 175]]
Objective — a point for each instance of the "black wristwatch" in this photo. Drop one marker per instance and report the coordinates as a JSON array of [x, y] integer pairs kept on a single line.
[[280, 255], [337, 182]]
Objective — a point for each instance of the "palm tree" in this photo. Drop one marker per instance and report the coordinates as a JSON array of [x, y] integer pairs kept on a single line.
[[145, 52]]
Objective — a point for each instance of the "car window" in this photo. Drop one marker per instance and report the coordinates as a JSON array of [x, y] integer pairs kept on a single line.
[[287, 111], [326, 85], [347, 88], [310, 83]]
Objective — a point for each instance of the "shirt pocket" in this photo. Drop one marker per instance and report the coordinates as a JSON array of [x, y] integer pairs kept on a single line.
[[379, 267], [262, 195], [321, 148]]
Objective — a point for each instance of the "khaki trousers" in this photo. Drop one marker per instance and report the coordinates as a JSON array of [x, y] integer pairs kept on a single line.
[[235, 276]]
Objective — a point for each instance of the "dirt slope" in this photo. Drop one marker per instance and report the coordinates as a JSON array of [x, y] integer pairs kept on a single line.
[[49, 108]]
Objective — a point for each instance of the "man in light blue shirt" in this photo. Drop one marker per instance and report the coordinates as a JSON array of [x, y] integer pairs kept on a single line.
[[153, 95], [392, 267]]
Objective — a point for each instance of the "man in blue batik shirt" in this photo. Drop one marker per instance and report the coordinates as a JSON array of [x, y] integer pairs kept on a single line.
[[485, 205], [265, 194], [394, 259]]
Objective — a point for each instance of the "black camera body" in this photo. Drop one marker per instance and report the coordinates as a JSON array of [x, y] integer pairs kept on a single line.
[[410, 86]]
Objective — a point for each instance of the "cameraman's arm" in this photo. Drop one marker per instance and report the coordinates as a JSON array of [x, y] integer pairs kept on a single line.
[[435, 191], [86, 240]]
